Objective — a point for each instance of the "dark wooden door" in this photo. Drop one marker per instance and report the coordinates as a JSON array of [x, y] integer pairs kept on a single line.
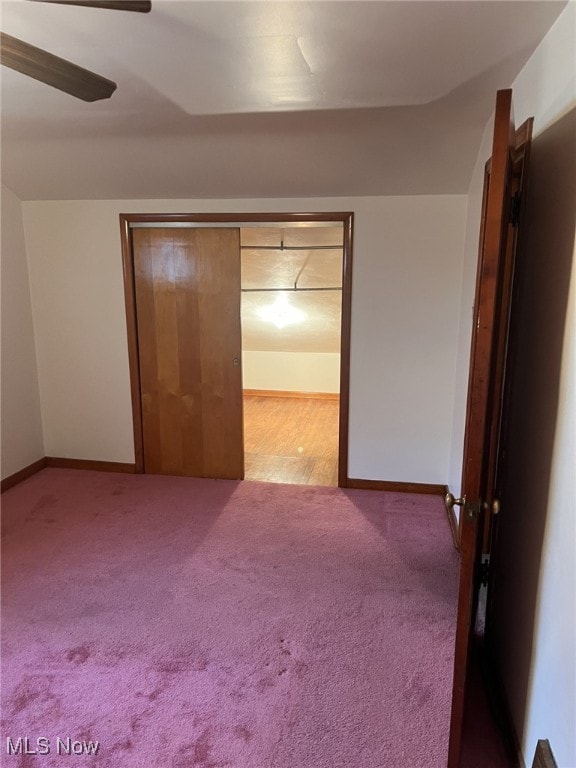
[[187, 290], [502, 383], [505, 175]]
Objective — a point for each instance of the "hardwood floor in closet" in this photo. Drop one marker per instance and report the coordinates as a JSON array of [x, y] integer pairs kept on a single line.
[[291, 440]]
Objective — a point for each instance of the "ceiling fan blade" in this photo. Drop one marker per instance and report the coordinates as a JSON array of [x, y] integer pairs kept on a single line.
[[54, 71], [139, 6]]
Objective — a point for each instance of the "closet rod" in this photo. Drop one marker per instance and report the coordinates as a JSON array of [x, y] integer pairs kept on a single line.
[[292, 290]]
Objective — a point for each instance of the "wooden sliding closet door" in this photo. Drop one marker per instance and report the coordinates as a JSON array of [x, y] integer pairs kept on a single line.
[[187, 290]]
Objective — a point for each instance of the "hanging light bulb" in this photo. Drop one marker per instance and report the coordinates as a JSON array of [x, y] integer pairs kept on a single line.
[[281, 313]]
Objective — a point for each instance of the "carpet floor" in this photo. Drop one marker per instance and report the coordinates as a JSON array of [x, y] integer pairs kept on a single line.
[[186, 623]]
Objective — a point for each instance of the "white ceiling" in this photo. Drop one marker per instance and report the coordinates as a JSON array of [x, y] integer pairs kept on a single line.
[[254, 99]]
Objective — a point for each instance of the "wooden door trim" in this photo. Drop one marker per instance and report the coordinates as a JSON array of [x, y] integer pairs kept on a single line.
[[502, 350], [347, 220], [132, 333], [486, 296], [233, 218], [496, 207]]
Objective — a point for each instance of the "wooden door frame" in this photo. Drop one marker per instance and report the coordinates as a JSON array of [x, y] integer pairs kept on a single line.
[[347, 220], [486, 381]]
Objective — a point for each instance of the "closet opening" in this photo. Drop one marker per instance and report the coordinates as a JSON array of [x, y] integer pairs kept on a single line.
[[239, 344], [291, 313]]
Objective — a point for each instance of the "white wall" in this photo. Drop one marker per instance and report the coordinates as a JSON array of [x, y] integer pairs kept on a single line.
[[22, 441], [407, 266], [544, 90], [291, 371], [536, 624], [404, 336]]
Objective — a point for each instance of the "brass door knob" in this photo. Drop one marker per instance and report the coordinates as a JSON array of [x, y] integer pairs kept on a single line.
[[451, 502], [496, 506]]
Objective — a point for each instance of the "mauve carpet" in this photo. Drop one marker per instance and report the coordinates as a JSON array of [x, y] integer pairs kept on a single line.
[[187, 623]]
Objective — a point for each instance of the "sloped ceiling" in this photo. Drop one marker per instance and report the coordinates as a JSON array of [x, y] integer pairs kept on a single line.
[[273, 99]]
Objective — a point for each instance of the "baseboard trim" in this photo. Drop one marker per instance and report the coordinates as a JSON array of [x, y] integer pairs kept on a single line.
[[22, 474], [387, 485], [127, 468], [97, 466], [453, 521], [287, 393]]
